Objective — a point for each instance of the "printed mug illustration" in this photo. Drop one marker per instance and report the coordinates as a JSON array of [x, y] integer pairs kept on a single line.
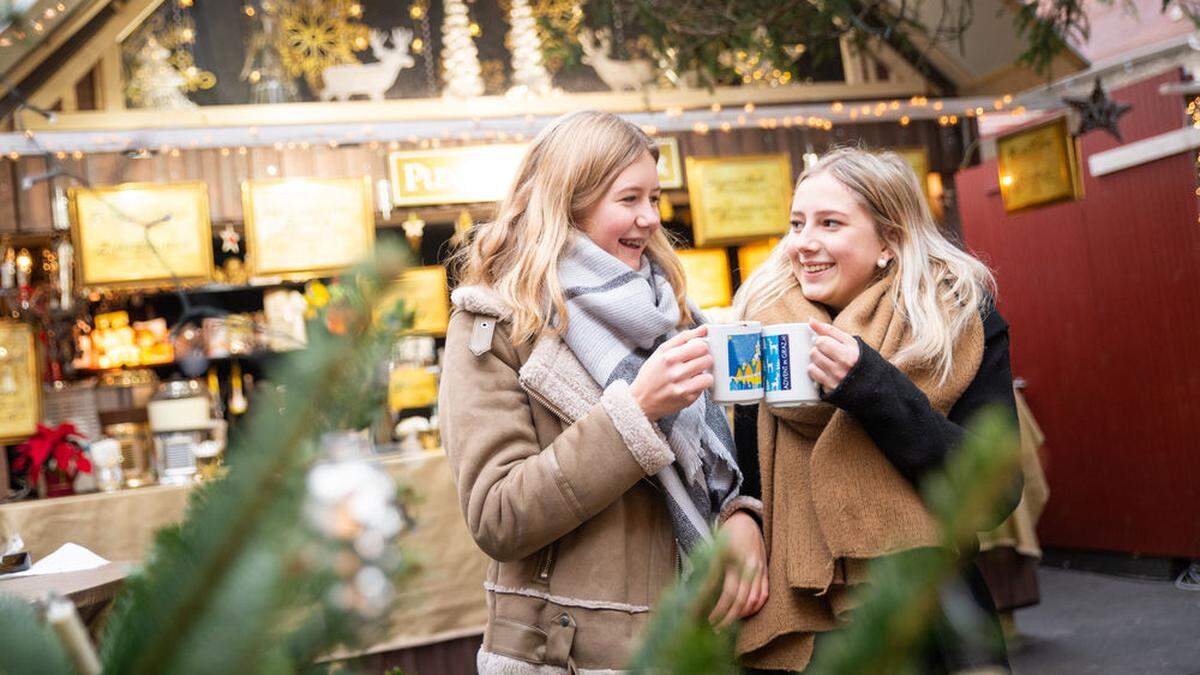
[[777, 363], [745, 362]]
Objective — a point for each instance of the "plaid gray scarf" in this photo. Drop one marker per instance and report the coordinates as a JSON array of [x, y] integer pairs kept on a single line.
[[616, 318]]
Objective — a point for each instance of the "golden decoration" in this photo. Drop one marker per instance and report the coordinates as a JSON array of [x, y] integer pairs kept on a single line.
[[316, 34], [177, 37], [558, 24], [193, 77], [494, 77]]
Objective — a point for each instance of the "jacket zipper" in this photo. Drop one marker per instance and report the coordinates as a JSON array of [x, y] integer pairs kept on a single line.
[[547, 565], [562, 416]]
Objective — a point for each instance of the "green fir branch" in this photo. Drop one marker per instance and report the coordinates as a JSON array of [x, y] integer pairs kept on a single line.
[[900, 603], [220, 591], [27, 645], [679, 639]]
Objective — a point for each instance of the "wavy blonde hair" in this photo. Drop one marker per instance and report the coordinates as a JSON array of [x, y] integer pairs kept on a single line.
[[568, 168], [940, 288]]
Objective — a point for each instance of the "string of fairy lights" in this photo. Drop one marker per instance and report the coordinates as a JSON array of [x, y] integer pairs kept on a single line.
[[713, 118]]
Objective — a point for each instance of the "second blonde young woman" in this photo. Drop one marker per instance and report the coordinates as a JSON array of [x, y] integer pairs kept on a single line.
[[908, 348], [574, 414]]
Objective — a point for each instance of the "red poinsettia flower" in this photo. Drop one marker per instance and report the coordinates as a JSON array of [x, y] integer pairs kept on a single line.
[[52, 448]]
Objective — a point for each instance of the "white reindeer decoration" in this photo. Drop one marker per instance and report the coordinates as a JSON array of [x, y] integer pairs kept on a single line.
[[373, 79], [618, 75]]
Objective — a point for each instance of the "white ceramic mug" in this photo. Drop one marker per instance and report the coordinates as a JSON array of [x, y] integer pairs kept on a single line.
[[736, 349], [785, 357]]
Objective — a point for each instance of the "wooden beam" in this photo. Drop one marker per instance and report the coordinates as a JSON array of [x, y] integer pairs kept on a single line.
[[79, 18], [70, 102], [481, 107], [1143, 151], [110, 84], [124, 22]]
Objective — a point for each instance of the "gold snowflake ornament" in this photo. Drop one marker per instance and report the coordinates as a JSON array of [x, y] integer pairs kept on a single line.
[[316, 34]]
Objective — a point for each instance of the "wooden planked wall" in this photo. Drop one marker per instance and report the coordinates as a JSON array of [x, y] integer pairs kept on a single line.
[[1103, 298], [28, 211]]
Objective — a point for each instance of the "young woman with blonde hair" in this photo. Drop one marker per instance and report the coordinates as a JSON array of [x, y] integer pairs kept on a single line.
[[908, 346], [574, 409]]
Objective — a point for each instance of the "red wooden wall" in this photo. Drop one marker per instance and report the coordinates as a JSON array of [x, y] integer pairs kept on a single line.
[[1103, 296]]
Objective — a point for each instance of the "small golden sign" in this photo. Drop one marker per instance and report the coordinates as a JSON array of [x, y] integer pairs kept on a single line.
[[737, 199], [708, 280], [427, 293], [1038, 166], [465, 175], [483, 173], [20, 386], [752, 255], [142, 234], [670, 173], [304, 227]]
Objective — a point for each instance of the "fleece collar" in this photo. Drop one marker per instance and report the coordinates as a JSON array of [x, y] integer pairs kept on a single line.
[[552, 372]]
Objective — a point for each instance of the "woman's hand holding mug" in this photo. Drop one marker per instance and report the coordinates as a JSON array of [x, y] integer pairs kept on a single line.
[[675, 375], [834, 353]]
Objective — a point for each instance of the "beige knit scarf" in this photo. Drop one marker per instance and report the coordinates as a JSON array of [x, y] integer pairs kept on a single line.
[[831, 499]]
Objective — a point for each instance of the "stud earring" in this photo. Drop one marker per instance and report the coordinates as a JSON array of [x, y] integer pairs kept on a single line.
[[882, 263]]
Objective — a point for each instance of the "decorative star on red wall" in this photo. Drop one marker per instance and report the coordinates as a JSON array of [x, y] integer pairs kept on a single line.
[[1098, 111]]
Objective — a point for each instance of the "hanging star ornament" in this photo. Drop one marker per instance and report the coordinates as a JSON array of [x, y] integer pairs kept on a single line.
[[1098, 111], [230, 239]]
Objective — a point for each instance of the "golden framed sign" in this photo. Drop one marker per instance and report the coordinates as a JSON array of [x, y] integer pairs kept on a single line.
[[20, 383], [426, 291], [480, 173], [1038, 166], [754, 254], [738, 199], [709, 282], [670, 173], [142, 235], [918, 159], [483, 173], [299, 228]]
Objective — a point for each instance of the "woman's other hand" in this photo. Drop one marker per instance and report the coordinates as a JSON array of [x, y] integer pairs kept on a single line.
[[744, 591]]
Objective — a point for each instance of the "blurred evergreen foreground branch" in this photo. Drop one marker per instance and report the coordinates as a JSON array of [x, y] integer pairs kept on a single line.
[[247, 583], [902, 600]]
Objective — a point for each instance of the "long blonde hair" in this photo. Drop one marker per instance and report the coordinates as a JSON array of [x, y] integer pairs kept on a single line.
[[940, 288], [568, 168]]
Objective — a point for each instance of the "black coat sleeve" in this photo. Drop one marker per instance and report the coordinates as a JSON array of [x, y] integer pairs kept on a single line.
[[900, 420], [745, 437]]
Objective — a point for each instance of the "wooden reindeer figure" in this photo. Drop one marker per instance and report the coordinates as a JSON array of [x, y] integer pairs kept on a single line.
[[372, 79], [630, 75]]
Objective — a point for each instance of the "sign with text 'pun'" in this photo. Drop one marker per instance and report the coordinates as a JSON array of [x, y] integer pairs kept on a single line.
[[481, 173]]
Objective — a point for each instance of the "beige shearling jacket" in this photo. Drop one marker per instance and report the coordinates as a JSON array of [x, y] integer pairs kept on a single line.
[[553, 478]]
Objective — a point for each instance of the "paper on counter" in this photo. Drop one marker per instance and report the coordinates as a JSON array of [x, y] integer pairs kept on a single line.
[[67, 558]]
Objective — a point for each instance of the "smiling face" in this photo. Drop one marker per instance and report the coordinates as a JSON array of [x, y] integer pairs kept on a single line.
[[626, 216], [833, 243]]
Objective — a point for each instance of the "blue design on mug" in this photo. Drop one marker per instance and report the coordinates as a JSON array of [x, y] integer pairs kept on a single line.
[[777, 363], [745, 362]]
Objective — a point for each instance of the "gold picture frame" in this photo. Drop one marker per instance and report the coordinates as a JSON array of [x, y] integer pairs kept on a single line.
[[427, 291], [709, 282], [918, 158], [754, 254], [20, 382], [1038, 166], [739, 199], [462, 175], [301, 228], [141, 235], [670, 172]]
